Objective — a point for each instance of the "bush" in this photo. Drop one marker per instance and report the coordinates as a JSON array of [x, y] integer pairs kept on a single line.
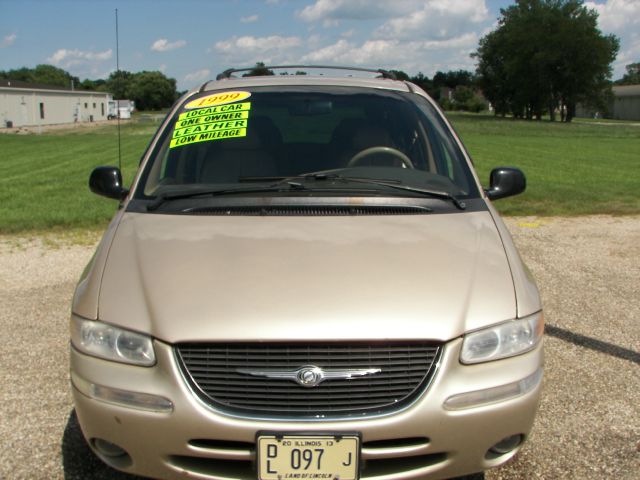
[[476, 104], [446, 104]]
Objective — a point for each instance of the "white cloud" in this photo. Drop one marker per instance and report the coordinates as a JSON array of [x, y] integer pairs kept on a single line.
[[250, 44], [412, 35], [249, 19], [437, 19], [198, 76], [411, 56], [65, 58], [616, 15], [330, 52], [163, 45], [621, 17], [356, 9], [8, 40], [162, 68], [247, 50]]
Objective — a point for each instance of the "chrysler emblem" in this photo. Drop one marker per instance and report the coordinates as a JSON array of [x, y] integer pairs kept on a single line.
[[311, 375]]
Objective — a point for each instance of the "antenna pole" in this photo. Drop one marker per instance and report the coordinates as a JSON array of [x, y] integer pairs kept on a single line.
[[118, 83]]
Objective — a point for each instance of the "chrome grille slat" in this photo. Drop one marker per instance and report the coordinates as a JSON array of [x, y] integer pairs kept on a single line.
[[406, 370], [363, 361], [338, 388], [391, 370]]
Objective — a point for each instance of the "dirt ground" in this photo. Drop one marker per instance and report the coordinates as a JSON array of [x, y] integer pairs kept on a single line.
[[588, 427]]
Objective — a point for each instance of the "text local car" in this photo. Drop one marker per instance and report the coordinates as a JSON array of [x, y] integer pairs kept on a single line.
[[306, 280]]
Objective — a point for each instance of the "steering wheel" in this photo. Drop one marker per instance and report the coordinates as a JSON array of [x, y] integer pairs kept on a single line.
[[367, 152]]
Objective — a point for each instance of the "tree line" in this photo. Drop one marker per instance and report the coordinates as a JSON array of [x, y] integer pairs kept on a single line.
[[544, 58], [149, 90], [454, 90]]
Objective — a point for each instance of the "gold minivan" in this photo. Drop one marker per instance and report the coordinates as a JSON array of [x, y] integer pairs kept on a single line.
[[306, 280]]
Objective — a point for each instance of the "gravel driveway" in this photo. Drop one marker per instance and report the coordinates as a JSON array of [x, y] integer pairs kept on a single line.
[[588, 427]]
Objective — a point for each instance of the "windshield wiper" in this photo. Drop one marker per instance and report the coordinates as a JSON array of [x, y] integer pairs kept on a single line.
[[282, 185], [370, 181], [289, 183], [276, 187], [407, 188]]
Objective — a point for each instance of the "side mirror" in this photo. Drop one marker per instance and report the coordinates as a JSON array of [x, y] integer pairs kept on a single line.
[[505, 182], [107, 181]]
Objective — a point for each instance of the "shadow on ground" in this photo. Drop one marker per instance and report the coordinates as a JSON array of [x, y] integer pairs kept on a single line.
[[79, 462]]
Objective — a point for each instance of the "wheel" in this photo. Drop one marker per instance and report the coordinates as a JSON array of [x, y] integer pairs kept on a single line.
[[367, 152]]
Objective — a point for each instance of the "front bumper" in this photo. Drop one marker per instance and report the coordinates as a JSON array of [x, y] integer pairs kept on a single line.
[[191, 440]]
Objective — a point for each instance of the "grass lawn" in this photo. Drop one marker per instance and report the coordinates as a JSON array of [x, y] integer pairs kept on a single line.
[[572, 169], [575, 169], [44, 178]]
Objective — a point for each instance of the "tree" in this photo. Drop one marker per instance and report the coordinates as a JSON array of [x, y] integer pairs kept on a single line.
[[545, 55], [95, 85], [118, 84], [453, 79], [43, 74], [400, 75], [424, 83], [260, 70], [151, 90], [461, 96], [632, 77]]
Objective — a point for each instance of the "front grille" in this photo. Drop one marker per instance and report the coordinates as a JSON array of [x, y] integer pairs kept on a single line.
[[406, 370]]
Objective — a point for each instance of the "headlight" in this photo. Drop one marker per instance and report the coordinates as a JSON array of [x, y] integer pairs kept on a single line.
[[504, 340], [112, 343]]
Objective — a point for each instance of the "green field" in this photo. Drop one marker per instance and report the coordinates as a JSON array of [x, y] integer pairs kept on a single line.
[[44, 178], [575, 169], [572, 169]]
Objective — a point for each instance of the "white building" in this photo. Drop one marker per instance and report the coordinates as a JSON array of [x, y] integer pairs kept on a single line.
[[26, 104], [626, 102], [124, 108], [624, 105]]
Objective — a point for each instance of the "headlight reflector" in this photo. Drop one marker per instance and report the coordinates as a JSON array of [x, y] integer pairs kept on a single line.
[[112, 343], [504, 340]]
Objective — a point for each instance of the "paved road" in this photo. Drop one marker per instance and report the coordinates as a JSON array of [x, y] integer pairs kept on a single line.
[[588, 427]]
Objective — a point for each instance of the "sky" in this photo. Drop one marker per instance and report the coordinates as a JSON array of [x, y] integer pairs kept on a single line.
[[193, 40]]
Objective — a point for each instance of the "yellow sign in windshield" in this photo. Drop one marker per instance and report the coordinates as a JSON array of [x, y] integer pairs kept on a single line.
[[218, 99], [211, 123]]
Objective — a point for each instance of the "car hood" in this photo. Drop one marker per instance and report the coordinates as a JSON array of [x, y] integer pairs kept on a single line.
[[237, 278]]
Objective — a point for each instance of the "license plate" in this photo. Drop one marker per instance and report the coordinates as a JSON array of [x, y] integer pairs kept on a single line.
[[308, 457]]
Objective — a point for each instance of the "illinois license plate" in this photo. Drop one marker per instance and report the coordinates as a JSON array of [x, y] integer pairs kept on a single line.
[[308, 457]]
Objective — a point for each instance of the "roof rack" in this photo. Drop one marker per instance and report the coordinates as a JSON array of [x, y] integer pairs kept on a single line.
[[383, 73]]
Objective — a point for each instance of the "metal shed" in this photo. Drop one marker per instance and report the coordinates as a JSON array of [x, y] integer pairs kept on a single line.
[[626, 102], [28, 104]]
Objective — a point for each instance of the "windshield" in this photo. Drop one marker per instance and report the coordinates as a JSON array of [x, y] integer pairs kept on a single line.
[[242, 137]]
